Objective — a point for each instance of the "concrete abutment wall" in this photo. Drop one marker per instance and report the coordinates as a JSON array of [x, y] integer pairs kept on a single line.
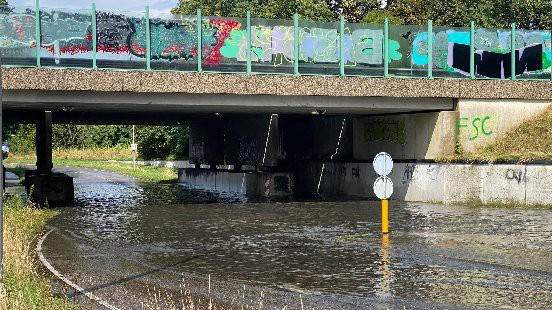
[[332, 154], [441, 183]]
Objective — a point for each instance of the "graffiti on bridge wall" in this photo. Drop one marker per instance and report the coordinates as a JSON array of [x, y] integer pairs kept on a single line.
[[384, 131], [451, 52], [343, 171], [476, 126], [517, 175], [318, 45], [224, 40], [248, 153]]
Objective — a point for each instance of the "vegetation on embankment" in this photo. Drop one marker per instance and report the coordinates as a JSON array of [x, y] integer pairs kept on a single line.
[[530, 141], [145, 173], [23, 286]]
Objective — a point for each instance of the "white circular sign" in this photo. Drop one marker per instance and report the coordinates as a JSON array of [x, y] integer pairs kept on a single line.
[[383, 163], [383, 187]]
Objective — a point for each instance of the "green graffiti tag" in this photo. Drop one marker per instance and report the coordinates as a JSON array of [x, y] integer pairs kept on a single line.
[[475, 126], [385, 131]]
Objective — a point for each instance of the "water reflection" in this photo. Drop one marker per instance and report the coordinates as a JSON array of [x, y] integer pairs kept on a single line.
[[444, 255]]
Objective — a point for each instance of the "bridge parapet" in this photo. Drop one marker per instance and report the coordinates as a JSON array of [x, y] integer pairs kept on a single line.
[[201, 83], [87, 38]]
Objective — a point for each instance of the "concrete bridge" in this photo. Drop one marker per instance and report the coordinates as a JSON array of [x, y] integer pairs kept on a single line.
[[275, 124], [273, 98]]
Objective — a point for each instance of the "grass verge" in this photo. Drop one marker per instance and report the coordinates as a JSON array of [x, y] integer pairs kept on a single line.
[[530, 141], [113, 153], [145, 173], [23, 286]]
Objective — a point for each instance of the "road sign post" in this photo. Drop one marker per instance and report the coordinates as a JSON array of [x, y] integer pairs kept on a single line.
[[383, 186]]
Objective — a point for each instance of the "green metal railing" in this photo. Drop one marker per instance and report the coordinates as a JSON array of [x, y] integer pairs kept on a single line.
[[345, 50]]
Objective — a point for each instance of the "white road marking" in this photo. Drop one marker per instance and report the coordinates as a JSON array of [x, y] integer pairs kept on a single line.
[[64, 279]]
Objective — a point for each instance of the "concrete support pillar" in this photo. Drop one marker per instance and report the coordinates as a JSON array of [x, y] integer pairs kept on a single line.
[[206, 142], [45, 187], [44, 163]]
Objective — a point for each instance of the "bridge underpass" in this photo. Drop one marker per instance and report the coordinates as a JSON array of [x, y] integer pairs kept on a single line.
[[279, 124], [273, 135]]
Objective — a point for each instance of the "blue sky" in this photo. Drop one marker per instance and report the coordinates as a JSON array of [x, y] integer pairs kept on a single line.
[[160, 6]]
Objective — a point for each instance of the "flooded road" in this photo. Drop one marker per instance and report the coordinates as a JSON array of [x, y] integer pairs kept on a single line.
[[139, 245]]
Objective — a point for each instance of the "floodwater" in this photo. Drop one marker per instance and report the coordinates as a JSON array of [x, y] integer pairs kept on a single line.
[[139, 245]]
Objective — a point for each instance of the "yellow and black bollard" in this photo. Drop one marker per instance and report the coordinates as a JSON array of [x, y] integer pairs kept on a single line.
[[385, 216]]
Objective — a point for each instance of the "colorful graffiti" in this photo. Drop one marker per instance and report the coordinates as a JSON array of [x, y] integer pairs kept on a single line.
[[317, 45], [68, 34], [451, 52]]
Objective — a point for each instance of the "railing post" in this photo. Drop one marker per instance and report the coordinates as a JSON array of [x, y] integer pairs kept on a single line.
[[430, 49], [248, 33], [37, 33], [148, 40], [513, 51], [386, 47], [94, 37], [472, 50], [296, 44], [342, 45], [199, 42]]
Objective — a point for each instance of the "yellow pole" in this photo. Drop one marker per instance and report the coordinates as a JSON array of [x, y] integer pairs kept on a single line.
[[385, 216]]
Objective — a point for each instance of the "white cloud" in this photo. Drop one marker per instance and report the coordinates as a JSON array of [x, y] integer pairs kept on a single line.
[[156, 6]]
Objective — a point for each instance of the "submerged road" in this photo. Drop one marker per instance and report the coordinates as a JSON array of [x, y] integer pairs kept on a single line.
[[141, 245]]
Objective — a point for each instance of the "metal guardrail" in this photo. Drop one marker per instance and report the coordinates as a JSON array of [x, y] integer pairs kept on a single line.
[[92, 39]]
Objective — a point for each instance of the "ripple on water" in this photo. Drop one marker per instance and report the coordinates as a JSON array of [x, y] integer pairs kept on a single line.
[[455, 255]]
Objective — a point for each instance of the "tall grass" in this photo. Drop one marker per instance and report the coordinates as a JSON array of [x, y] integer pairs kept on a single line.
[[115, 153], [23, 287]]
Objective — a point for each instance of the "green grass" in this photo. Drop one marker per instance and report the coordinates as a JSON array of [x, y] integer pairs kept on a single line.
[[23, 286], [145, 173], [530, 141]]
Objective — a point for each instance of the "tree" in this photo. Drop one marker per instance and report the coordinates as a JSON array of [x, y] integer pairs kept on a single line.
[[162, 142], [273, 9], [353, 10], [528, 14], [378, 17], [3, 2]]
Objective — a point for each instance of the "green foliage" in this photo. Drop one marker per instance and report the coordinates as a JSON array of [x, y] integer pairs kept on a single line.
[[162, 142], [378, 17], [145, 173], [527, 14], [154, 142], [3, 2], [23, 287], [21, 137], [82, 136], [274, 9], [354, 11]]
